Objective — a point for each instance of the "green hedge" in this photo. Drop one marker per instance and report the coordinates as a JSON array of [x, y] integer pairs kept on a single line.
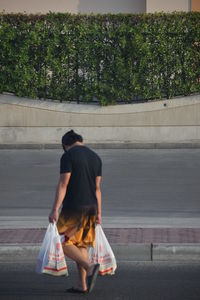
[[106, 58]]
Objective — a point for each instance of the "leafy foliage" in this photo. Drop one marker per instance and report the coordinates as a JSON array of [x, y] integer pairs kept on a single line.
[[105, 58]]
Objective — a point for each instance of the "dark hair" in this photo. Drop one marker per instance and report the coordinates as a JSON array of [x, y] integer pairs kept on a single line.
[[71, 137]]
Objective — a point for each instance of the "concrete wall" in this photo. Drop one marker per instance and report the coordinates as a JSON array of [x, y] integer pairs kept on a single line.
[[167, 6], [112, 6], [96, 6], [35, 121], [42, 6], [74, 6], [195, 5]]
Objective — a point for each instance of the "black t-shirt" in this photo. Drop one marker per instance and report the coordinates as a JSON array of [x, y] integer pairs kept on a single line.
[[84, 165]]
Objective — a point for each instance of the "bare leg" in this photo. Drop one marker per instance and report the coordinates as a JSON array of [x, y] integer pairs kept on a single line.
[[79, 255], [75, 254], [82, 284]]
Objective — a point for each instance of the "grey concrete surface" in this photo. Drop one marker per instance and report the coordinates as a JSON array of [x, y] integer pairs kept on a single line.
[[170, 252], [109, 146], [132, 281], [129, 252], [140, 188], [137, 184], [28, 121], [21, 252], [12, 222]]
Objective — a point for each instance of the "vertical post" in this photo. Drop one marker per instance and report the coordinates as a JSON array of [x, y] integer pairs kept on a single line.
[[45, 66], [76, 78], [189, 5], [167, 66]]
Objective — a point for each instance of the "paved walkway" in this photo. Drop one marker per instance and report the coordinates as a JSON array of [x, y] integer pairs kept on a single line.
[[151, 212]]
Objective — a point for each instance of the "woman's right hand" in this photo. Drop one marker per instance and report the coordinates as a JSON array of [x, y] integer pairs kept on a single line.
[[53, 217]]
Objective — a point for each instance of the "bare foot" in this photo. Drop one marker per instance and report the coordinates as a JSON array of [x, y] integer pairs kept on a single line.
[[81, 287]]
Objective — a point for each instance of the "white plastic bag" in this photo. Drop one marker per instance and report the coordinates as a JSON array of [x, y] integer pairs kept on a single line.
[[102, 253], [51, 259]]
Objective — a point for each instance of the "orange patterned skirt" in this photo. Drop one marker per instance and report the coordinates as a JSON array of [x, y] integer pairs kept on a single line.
[[77, 228]]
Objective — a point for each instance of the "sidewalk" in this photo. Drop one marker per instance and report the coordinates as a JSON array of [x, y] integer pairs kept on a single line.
[[134, 244]]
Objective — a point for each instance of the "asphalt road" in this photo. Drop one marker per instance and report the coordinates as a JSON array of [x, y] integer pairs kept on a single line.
[[143, 183], [132, 281]]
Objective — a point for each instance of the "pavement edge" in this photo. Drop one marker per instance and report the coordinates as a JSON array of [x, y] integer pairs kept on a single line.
[[128, 252]]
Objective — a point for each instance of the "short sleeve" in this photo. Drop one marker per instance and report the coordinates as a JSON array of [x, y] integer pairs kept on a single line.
[[65, 164], [99, 171]]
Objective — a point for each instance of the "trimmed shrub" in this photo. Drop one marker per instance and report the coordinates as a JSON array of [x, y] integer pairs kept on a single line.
[[105, 58]]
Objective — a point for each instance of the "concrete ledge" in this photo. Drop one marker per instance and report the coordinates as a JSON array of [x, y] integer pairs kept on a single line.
[[134, 252], [176, 252], [28, 121], [113, 145], [87, 108], [18, 252], [131, 252]]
